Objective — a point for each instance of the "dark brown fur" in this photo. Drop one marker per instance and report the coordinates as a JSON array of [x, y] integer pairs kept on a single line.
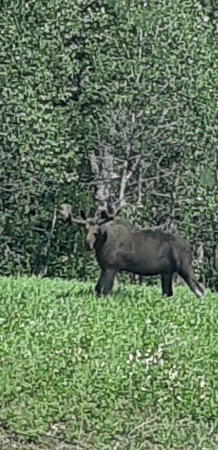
[[119, 246]]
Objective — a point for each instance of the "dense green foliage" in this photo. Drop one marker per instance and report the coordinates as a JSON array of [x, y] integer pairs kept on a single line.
[[130, 370], [82, 77]]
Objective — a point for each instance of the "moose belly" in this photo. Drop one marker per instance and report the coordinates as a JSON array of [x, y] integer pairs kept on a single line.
[[146, 265]]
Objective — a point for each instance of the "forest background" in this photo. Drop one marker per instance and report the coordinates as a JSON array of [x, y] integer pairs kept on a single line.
[[106, 100]]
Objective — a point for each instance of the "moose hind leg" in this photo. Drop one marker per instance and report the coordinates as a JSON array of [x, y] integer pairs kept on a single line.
[[105, 283], [192, 283], [167, 284]]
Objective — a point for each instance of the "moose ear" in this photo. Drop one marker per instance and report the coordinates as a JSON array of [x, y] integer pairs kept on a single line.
[[83, 214]]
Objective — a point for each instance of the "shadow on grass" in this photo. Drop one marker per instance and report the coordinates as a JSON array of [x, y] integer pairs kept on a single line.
[[150, 431]]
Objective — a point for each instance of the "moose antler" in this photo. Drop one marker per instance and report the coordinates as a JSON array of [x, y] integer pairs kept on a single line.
[[65, 211]]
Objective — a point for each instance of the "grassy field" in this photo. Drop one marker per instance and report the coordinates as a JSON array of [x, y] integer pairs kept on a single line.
[[133, 371]]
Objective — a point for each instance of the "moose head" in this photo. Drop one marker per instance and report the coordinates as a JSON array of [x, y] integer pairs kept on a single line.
[[91, 224]]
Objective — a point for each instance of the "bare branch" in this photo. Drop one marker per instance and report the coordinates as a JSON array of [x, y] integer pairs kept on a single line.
[[140, 187], [215, 257], [160, 194], [94, 165], [123, 183], [53, 221], [127, 175], [102, 168]]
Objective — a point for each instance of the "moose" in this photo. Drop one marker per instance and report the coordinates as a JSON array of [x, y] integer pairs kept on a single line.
[[119, 246]]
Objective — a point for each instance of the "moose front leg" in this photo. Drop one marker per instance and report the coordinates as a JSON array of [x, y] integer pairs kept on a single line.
[[105, 283]]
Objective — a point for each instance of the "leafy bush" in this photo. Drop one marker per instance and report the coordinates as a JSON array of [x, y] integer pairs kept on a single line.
[[131, 370]]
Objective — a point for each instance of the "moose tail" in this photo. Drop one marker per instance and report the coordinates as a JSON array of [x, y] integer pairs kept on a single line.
[[192, 283]]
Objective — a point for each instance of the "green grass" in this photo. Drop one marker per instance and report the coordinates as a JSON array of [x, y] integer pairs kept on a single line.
[[133, 371]]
